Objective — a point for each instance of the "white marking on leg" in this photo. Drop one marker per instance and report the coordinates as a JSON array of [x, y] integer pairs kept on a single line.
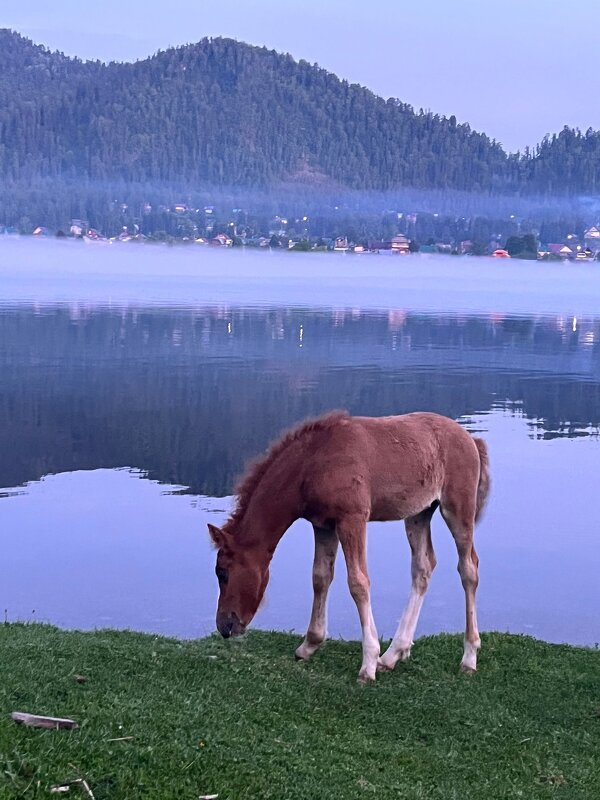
[[370, 640], [422, 565], [400, 646], [469, 659]]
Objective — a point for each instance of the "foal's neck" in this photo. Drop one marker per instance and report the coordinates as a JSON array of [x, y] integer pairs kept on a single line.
[[273, 508]]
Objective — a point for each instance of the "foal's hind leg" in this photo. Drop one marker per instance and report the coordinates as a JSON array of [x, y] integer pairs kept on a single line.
[[461, 521], [423, 563], [326, 545]]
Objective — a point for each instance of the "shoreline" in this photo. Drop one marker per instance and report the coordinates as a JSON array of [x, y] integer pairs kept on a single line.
[[291, 635]]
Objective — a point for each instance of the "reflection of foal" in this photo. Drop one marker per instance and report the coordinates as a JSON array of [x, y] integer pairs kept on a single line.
[[339, 472]]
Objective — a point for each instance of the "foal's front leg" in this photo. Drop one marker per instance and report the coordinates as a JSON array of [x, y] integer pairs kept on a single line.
[[352, 533], [326, 545]]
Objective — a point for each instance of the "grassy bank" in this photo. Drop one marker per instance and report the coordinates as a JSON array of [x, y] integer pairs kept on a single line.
[[243, 720]]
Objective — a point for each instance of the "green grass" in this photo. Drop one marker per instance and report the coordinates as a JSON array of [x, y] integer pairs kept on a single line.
[[242, 720]]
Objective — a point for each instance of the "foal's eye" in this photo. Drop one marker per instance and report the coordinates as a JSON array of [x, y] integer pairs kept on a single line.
[[221, 574]]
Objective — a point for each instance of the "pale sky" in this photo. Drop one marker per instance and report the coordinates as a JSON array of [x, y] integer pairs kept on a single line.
[[516, 69]]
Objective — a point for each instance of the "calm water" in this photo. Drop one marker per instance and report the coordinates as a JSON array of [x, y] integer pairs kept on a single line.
[[127, 410]]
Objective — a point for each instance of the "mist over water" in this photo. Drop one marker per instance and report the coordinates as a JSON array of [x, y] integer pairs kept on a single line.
[[46, 272]]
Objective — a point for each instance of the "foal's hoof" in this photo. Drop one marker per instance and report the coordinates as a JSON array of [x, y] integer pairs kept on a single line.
[[467, 670], [364, 678], [299, 657], [387, 661], [303, 653]]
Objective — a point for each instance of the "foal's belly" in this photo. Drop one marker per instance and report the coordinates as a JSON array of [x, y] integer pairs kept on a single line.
[[400, 505]]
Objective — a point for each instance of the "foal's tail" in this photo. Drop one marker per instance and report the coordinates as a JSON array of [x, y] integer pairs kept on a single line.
[[483, 487]]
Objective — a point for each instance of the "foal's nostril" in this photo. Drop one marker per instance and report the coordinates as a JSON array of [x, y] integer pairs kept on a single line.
[[224, 626]]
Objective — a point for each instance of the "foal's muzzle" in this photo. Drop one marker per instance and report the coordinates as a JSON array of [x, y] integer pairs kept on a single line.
[[229, 625]]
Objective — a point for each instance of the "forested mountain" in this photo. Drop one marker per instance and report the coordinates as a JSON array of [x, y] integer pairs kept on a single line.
[[220, 112], [565, 163], [239, 127]]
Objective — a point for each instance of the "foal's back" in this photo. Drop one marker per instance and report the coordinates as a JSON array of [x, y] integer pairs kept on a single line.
[[391, 467]]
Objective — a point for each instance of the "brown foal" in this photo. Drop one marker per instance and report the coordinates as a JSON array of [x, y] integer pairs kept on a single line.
[[339, 472]]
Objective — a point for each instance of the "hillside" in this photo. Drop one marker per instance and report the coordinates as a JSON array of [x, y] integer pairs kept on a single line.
[[220, 123], [224, 113], [221, 112]]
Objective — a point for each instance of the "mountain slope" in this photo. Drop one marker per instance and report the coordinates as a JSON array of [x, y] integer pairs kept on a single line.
[[224, 113]]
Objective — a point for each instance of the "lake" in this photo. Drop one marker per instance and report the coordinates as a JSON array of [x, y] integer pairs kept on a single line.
[[136, 381]]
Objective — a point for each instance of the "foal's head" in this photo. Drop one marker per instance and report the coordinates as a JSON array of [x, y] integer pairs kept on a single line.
[[243, 574]]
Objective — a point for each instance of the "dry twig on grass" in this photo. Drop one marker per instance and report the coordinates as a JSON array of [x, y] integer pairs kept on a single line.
[[36, 721], [62, 788]]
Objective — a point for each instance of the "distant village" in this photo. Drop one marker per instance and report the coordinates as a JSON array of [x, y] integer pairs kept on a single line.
[[203, 227]]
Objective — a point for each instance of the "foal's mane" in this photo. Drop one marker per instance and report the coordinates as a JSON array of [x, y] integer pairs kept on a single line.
[[257, 468]]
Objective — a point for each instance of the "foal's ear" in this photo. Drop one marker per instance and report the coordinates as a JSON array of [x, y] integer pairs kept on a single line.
[[218, 536]]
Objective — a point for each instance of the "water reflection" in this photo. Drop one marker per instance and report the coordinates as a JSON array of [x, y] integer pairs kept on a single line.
[[110, 548], [190, 395], [182, 397]]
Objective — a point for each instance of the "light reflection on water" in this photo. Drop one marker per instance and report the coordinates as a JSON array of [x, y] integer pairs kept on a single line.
[[184, 396]]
